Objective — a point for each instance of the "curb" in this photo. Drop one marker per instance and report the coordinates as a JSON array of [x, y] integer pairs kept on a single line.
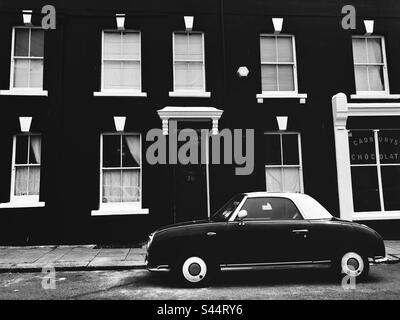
[[78, 268]]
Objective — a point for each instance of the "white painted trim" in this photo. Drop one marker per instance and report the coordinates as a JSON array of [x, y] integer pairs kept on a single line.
[[119, 208], [119, 212], [107, 92], [119, 93], [23, 92], [15, 205], [281, 94], [194, 94], [28, 91], [369, 95], [376, 215], [203, 91]]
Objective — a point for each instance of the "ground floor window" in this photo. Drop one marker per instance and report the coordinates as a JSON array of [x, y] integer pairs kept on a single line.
[[283, 166], [375, 170], [121, 170], [25, 182]]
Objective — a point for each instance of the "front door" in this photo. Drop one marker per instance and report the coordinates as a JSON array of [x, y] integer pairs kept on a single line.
[[191, 193]]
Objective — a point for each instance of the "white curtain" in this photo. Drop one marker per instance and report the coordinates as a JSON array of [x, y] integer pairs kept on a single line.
[[286, 78], [359, 50], [374, 50], [269, 78], [268, 49], [133, 143], [283, 180], [375, 78], [36, 145], [112, 186], [361, 78], [285, 49]]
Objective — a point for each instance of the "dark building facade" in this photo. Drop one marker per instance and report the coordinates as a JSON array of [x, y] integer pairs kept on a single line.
[[72, 176]]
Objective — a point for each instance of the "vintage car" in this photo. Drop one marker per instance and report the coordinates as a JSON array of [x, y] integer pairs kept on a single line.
[[263, 229]]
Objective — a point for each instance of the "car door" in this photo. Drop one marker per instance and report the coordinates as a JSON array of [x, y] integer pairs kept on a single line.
[[273, 232]]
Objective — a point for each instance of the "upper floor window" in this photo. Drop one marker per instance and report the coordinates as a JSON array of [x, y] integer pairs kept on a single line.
[[121, 62], [189, 62], [27, 58], [283, 165], [278, 63], [370, 66]]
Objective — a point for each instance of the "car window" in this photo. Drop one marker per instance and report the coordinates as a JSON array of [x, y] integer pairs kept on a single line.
[[227, 209], [271, 209]]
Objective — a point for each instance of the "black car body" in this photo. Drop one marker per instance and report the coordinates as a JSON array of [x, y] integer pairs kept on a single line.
[[262, 229]]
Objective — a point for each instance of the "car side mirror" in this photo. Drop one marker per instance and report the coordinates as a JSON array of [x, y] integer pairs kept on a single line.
[[242, 215]]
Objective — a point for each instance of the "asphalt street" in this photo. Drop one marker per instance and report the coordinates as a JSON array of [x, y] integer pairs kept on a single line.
[[383, 283]]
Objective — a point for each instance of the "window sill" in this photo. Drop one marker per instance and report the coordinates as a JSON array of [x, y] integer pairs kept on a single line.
[[190, 94], [119, 211], [24, 92], [121, 93], [10, 205], [385, 215], [281, 95], [375, 96]]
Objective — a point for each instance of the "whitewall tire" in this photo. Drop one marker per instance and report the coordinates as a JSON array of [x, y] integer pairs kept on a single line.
[[194, 270], [354, 265]]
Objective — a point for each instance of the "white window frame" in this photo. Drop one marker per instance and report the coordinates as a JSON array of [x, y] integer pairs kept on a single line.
[[378, 165], [120, 208], [27, 200], [281, 94], [385, 94], [189, 93], [120, 92], [299, 166], [20, 90]]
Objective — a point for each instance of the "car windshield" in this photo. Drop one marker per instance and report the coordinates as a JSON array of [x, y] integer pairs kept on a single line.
[[227, 209]]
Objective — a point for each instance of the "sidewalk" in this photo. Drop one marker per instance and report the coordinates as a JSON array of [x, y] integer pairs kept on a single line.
[[33, 259], [25, 259]]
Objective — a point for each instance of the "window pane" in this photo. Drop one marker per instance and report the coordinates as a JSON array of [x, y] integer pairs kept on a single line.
[[36, 74], [21, 153], [291, 180], [285, 49], [389, 146], [181, 49], [34, 181], [361, 77], [189, 76], [21, 181], [121, 75], [35, 150], [362, 147], [359, 50], [112, 186], [290, 144], [269, 78], [131, 45], [131, 151], [112, 151], [272, 145], [375, 74], [112, 45], [271, 209], [391, 187], [130, 185], [37, 43], [196, 46], [21, 73], [374, 50], [21, 47], [268, 49], [365, 189], [274, 179], [286, 78]]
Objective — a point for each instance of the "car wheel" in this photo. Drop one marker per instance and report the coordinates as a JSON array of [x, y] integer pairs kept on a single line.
[[194, 271], [354, 265]]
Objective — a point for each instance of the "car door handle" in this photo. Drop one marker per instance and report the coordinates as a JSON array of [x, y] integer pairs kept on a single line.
[[300, 231], [210, 234]]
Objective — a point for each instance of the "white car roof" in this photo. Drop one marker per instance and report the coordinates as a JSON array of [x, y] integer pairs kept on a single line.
[[309, 207]]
